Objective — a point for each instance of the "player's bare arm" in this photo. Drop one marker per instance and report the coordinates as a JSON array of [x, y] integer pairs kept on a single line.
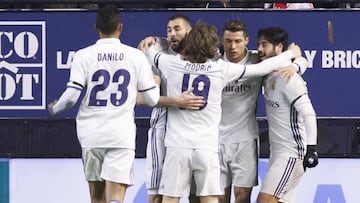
[[147, 42], [187, 100]]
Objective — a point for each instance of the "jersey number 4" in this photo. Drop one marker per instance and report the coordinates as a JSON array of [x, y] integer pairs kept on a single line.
[[104, 77], [201, 85]]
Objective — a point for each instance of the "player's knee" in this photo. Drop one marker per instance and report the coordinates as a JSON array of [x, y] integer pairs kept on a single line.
[[242, 194], [113, 201], [97, 192], [194, 199], [98, 197], [242, 199], [155, 198], [222, 199], [266, 198]]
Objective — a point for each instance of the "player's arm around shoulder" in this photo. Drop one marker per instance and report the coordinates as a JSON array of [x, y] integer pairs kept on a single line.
[[299, 66], [186, 100], [159, 44], [146, 43]]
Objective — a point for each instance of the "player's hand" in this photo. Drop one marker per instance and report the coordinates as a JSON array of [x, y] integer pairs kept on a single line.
[[146, 43], [50, 107], [311, 158], [295, 50], [187, 100], [286, 72]]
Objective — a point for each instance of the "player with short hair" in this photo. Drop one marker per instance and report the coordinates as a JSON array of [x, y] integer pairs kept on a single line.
[[177, 28], [110, 74], [192, 136], [238, 129], [292, 124]]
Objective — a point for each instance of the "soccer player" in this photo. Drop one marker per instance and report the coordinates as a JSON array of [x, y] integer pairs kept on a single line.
[[178, 27], [111, 74], [292, 124], [192, 136], [238, 129]]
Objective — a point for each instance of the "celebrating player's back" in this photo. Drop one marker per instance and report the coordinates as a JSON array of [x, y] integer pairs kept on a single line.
[[198, 130], [208, 77], [110, 74]]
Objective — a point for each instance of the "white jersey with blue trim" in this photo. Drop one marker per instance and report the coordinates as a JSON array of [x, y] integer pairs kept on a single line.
[[196, 129], [286, 128], [112, 74], [238, 119], [158, 114], [199, 129]]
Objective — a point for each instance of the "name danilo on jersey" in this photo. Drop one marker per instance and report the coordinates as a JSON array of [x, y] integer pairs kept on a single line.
[[110, 56]]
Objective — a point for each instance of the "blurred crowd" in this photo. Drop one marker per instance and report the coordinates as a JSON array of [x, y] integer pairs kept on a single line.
[[134, 4]]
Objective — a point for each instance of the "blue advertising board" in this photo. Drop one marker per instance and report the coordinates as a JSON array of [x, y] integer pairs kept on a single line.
[[36, 48], [332, 181]]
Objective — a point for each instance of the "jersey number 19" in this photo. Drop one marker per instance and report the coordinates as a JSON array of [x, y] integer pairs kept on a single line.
[[201, 85]]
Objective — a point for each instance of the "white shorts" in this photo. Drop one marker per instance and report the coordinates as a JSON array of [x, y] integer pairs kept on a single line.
[[181, 164], [111, 164], [155, 155], [284, 174], [239, 164]]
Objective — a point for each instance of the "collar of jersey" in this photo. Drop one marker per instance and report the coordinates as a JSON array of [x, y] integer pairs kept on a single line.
[[108, 41]]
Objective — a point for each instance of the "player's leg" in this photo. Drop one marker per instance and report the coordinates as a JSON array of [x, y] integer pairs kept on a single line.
[[168, 199], [154, 198], [193, 198], [225, 156], [117, 170], [266, 198], [209, 199], [282, 178], [244, 169], [92, 161], [176, 174], [227, 195], [155, 155], [97, 191], [242, 194], [206, 172], [115, 191]]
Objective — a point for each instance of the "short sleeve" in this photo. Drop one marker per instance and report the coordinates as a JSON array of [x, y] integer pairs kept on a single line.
[[146, 80], [77, 70]]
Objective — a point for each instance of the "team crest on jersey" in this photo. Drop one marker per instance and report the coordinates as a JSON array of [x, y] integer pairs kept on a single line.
[[22, 64]]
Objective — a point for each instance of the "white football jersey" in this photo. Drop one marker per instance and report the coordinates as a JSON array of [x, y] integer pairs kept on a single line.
[[199, 129], [112, 74], [238, 118], [196, 129], [158, 114], [286, 128]]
